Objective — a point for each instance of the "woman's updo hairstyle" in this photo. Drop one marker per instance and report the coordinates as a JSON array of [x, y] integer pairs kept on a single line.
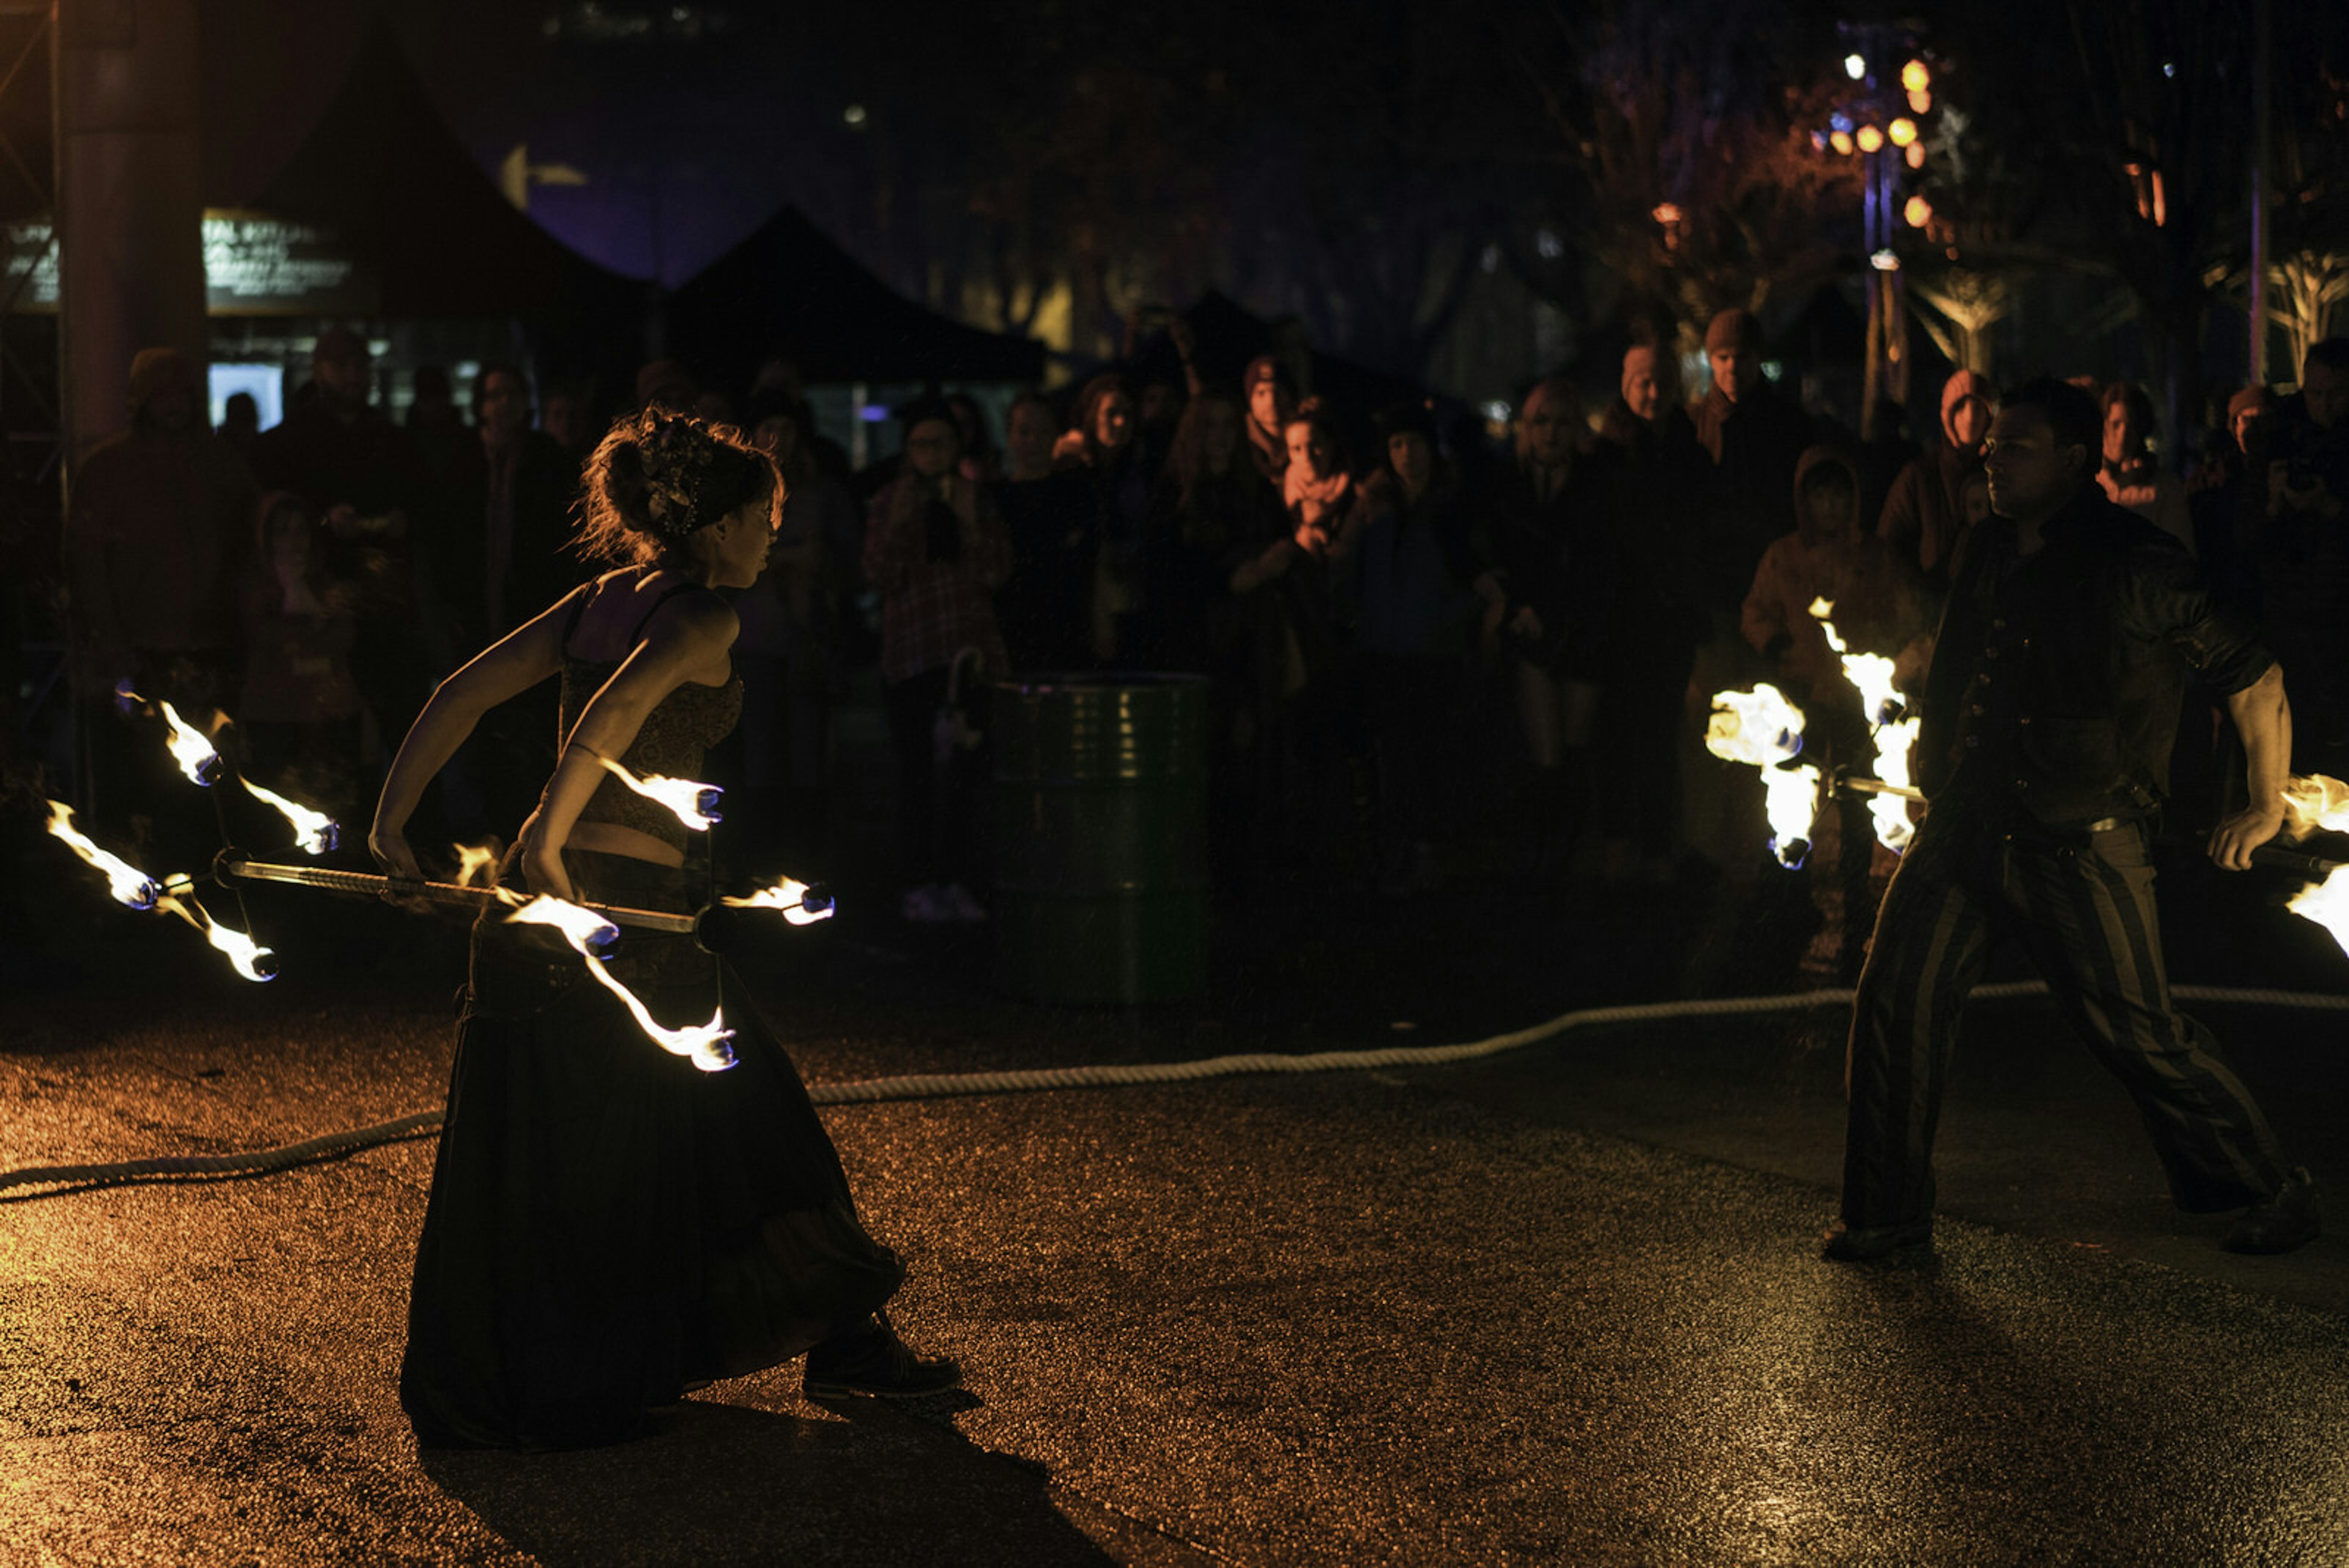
[[659, 477]]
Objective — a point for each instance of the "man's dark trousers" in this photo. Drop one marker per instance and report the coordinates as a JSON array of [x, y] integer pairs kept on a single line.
[[2083, 906]]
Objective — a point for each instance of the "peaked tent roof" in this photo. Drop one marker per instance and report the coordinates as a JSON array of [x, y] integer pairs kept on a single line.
[[383, 171], [788, 289]]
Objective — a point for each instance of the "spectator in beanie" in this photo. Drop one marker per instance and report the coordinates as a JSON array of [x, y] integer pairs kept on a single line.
[[1271, 403]]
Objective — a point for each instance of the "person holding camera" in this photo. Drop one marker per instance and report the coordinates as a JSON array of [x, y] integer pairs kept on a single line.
[[937, 551]]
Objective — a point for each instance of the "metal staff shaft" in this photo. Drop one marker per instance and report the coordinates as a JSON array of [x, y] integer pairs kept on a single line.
[[2272, 855], [232, 869]]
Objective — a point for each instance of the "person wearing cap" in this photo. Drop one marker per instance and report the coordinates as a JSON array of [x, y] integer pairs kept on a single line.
[[158, 527], [1751, 438], [1923, 517], [1271, 398]]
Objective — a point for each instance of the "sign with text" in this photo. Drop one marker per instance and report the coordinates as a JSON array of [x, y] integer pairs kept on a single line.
[[254, 264]]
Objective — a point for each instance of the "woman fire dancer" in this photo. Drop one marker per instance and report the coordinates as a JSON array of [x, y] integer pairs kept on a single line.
[[608, 1225]]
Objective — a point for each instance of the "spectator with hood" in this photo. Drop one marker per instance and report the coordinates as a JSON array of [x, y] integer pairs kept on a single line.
[[1924, 518]]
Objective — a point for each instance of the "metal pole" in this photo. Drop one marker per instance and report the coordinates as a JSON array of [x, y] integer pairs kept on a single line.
[[129, 202], [2262, 75]]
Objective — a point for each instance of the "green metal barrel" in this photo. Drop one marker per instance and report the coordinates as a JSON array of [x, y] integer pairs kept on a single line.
[[1101, 837]]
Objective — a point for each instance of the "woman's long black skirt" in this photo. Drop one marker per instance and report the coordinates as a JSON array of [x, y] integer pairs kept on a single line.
[[609, 1223]]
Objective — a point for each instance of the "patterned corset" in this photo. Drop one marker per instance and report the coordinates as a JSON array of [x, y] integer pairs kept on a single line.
[[671, 743]]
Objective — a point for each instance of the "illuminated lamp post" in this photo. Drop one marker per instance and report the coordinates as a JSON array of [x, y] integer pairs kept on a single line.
[[1878, 125]]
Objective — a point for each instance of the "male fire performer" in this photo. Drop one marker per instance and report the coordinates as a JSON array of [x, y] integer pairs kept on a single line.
[[2048, 716]]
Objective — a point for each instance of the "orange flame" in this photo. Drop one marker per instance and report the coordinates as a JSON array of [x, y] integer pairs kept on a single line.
[[2327, 904], [2315, 802], [249, 958], [707, 1044], [1894, 742], [789, 896], [695, 804], [477, 860], [314, 833], [129, 886]]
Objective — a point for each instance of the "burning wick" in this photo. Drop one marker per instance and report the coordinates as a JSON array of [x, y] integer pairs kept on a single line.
[[1791, 799], [2314, 803], [314, 833], [193, 749], [2327, 904], [801, 904], [130, 886], [705, 1044], [249, 958], [477, 860], [696, 805], [1758, 726]]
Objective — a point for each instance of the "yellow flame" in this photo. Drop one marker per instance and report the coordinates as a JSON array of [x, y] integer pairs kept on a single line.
[[1758, 726], [2316, 803], [477, 860], [1894, 742], [190, 748], [244, 954], [705, 1044], [2327, 904], [1791, 801], [1869, 673], [314, 832], [787, 896], [128, 885], [682, 796]]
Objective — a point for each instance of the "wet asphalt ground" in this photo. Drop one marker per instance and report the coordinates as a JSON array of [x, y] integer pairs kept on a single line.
[[1561, 1306]]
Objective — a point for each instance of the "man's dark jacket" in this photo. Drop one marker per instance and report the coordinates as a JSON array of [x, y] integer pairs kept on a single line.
[[2057, 680]]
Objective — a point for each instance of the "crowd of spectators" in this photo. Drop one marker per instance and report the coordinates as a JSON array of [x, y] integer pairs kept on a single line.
[[1425, 651]]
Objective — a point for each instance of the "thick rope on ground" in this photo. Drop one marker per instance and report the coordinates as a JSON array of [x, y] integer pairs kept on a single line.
[[940, 1085]]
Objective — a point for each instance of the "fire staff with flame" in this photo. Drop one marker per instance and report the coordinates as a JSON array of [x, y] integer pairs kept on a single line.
[[2048, 717], [608, 1224]]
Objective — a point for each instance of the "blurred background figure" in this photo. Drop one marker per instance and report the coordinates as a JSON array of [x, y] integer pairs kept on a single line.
[[160, 529], [2130, 474], [1923, 520], [298, 708], [937, 551], [1643, 468], [1053, 522]]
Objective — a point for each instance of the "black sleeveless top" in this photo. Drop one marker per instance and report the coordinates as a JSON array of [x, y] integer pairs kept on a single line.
[[672, 741]]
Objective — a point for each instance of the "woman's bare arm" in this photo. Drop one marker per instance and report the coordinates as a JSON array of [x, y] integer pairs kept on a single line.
[[513, 664], [693, 634]]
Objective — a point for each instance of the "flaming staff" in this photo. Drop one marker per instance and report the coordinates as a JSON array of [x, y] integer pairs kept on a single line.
[[1894, 734], [131, 888]]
